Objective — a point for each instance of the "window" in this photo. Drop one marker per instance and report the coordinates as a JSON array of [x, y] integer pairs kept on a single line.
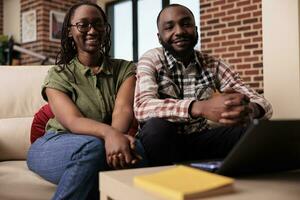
[[147, 14], [120, 18], [134, 28]]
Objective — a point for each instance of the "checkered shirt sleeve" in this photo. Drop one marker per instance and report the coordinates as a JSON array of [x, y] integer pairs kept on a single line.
[[231, 79]]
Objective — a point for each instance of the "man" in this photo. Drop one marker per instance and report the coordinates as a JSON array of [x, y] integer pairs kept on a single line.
[[178, 89]]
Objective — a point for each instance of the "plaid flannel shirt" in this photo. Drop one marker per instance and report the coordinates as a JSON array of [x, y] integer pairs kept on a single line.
[[165, 88]]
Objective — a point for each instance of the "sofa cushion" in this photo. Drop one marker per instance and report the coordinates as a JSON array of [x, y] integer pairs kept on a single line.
[[39, 122], [20, 90], [17, 182]]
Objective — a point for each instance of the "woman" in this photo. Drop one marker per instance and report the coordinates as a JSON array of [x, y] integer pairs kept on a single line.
[[91, 96]]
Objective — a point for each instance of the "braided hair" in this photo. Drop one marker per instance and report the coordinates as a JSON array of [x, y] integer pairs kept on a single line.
[[68, 49]]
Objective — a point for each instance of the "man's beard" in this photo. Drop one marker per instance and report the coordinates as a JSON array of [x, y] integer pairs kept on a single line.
[[180, 54]]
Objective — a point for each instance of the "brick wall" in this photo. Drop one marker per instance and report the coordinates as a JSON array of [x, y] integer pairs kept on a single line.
[[232, 30], [1, 17], [43, 45]]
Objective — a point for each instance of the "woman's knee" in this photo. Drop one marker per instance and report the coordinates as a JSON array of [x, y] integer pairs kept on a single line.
[[52, 155], [92, 153]]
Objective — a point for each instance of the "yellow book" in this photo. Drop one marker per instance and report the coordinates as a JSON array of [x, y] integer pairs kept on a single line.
[[182, 182]]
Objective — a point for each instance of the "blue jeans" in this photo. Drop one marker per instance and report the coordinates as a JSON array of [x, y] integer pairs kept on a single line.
[[72, 162]]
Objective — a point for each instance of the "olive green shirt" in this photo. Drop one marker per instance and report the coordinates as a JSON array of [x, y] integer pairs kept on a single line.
[[94, 95]]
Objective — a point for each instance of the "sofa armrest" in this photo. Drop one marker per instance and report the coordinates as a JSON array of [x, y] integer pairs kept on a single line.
[[14, 138]]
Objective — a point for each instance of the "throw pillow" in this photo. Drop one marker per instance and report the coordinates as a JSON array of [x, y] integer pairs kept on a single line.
[[39, 122]]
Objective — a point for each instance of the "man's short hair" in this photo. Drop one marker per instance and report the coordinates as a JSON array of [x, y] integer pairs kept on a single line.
[[173, 5]]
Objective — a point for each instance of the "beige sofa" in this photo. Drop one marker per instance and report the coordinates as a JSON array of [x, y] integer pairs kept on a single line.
[[20, 99]]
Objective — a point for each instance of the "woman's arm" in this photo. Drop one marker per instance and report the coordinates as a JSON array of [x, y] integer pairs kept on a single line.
[[70, 117], [123, 111]]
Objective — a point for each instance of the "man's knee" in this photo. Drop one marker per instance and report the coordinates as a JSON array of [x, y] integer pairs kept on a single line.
[[158, 128]]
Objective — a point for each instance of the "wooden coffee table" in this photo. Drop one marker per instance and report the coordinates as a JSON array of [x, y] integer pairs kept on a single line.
[[118, 185]]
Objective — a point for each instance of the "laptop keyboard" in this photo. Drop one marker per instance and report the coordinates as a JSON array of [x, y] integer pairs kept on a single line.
[[210, 166]]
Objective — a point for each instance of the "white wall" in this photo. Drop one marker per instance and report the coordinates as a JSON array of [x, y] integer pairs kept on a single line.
[[281, 56], [11, 14]]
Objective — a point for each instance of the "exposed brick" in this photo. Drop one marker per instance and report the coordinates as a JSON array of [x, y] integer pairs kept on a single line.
[[219, 38], [213, 33], [251, 72], [258, 78], [227, 6], [243, 16], [234, 36], [244, 28], [234, 11], [242, 3], [213, 45], [257, 26], [228, 18], [256, 1], [235, 48], [247, 79], [258, 65], [236, 23], [206, 40], [250, 21], [227, 55], [243, 54], [219, 14], [250, 8], [219, 2], [252, 33], [243, 66], [253, 85], [251, 59], [205, 6], [243, 46], [257, 39], [251, 46], [212, 9], [257, 52], [243, 41], [228, 30], [214, 21], [206, 28], [206, 16], [228, 43], [220, 50], [218, 26], [256, 13]]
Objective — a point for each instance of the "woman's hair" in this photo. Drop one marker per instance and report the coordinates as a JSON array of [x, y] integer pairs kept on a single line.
[[68, 49]]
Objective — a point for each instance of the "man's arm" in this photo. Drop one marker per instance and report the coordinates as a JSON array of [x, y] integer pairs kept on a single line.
[[229, 79]]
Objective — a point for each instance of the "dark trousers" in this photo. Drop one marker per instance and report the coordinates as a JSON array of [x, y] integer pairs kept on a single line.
[[164, 146]]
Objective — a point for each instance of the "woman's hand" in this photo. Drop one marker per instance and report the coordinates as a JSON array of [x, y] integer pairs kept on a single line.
[[119, 148]]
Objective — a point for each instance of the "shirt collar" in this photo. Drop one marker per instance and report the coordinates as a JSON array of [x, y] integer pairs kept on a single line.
[[172, 61], [106, 67]]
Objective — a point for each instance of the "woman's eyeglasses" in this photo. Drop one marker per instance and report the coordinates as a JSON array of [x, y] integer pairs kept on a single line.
[[84, 27]]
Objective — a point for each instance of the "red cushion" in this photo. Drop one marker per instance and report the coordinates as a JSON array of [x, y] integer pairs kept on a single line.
[[39, 122], [44, 114]]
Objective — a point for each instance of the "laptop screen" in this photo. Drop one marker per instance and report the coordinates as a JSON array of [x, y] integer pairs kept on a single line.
[[267, 146]]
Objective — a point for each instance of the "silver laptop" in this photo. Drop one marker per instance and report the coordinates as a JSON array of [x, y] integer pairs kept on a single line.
[[267, 146]]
